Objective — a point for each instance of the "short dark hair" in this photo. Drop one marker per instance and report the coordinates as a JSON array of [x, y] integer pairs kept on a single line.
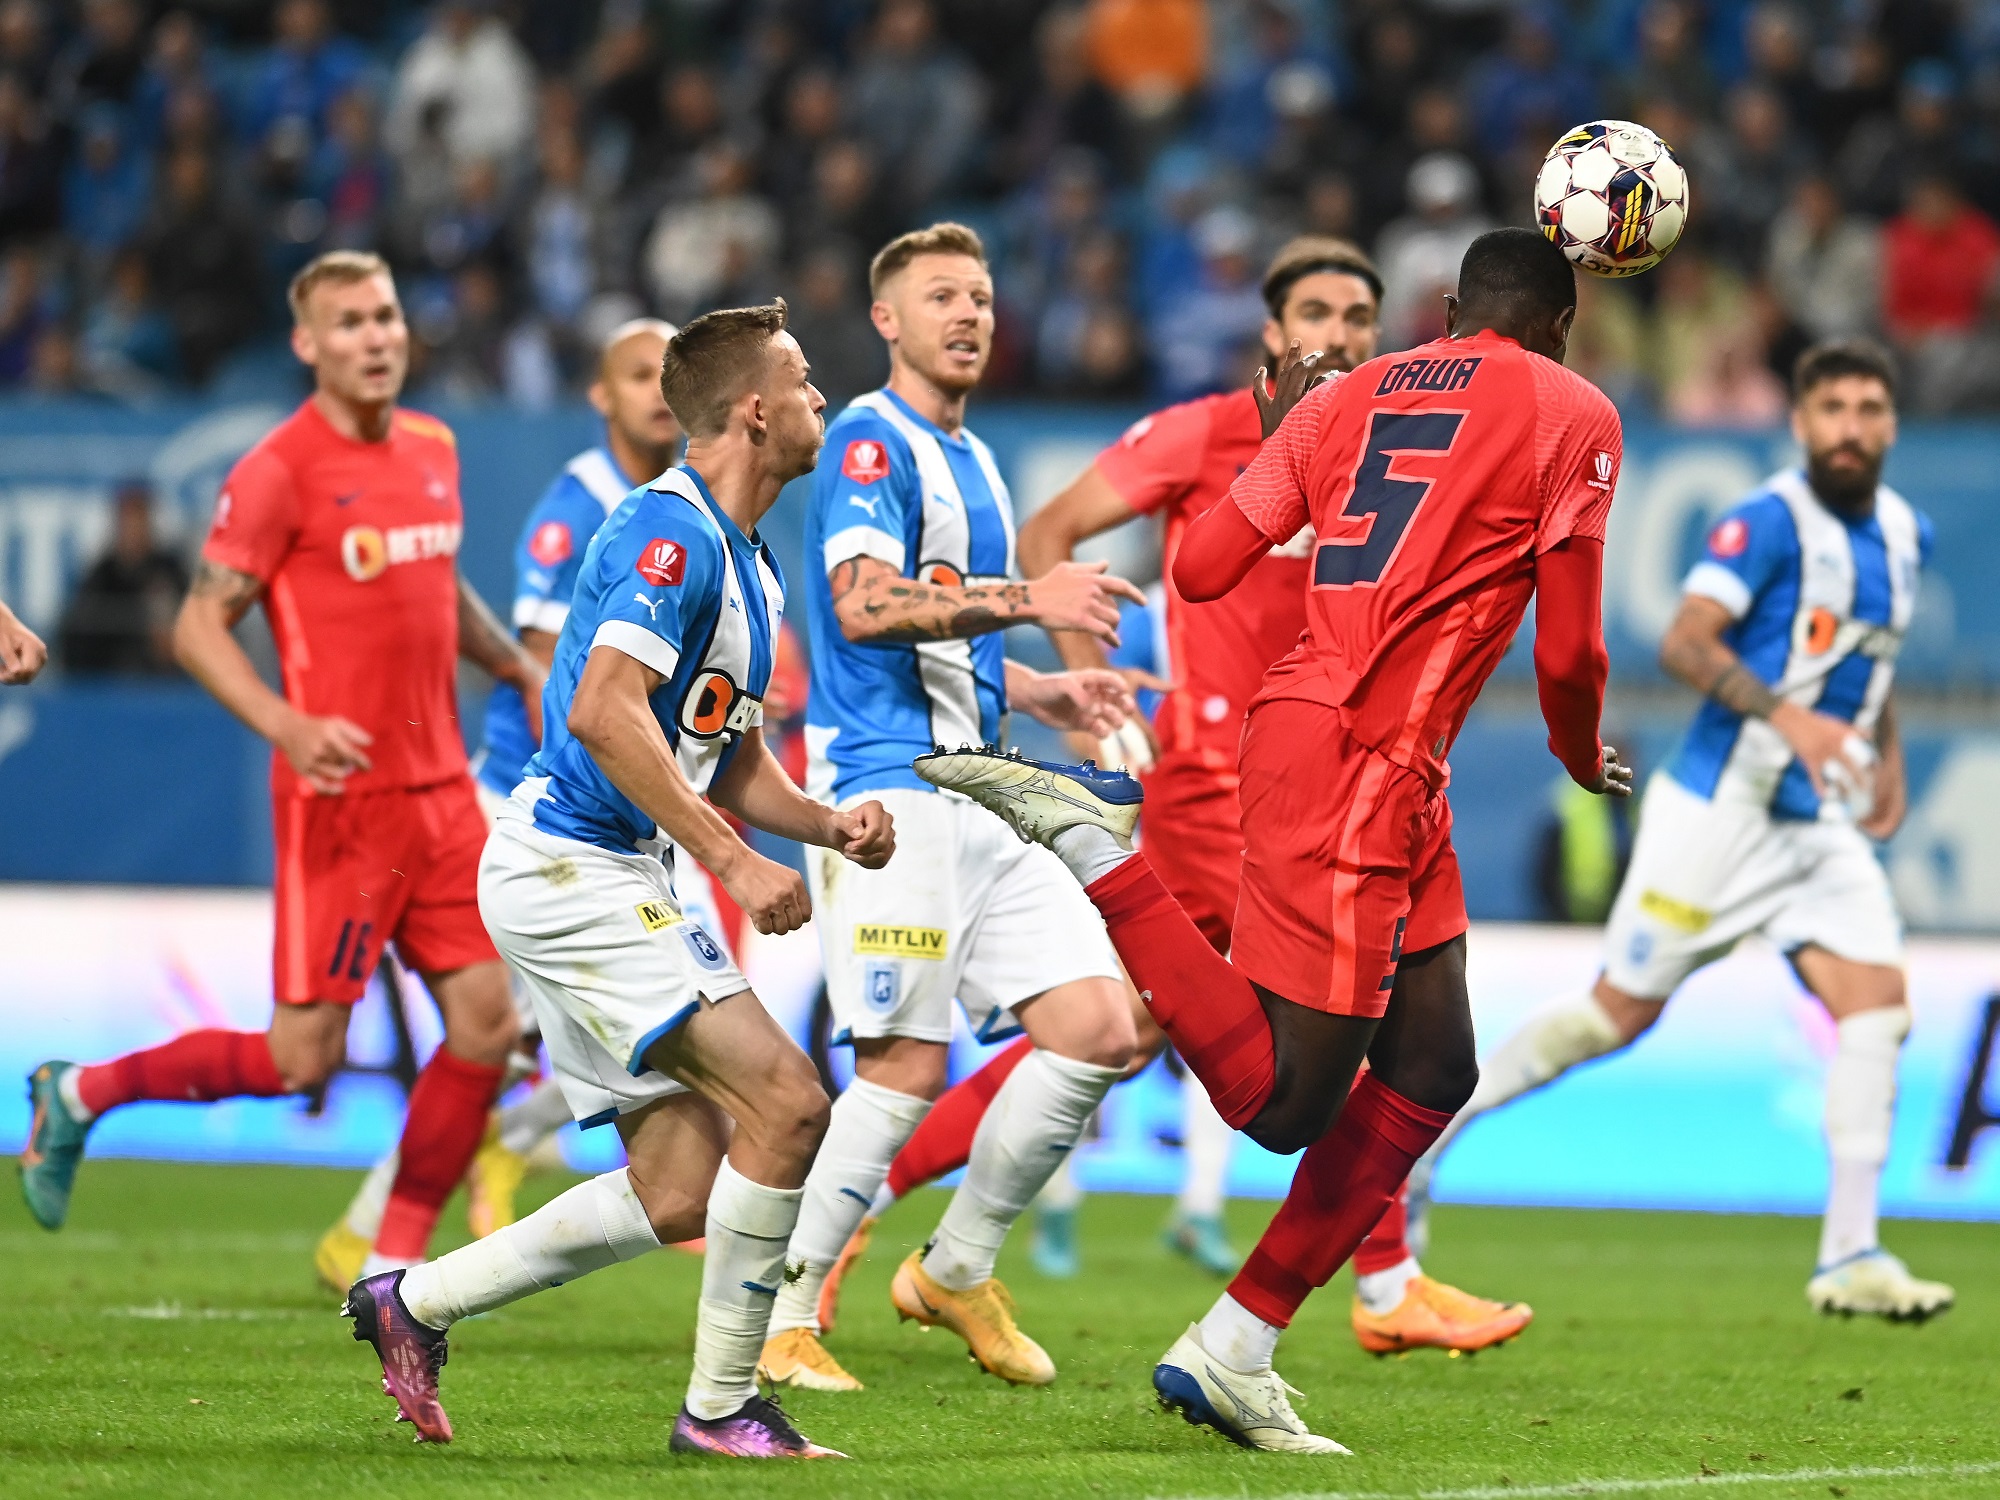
[[1309, 253], [713, 360], [944, 238], [1516, 270], [1832, 358]]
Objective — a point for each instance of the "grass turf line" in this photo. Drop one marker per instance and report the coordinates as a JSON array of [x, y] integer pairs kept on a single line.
[[171, 1343]]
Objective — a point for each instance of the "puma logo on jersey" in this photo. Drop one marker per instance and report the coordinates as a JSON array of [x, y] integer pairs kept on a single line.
[[366, 552], [652, 606], [866, 502]]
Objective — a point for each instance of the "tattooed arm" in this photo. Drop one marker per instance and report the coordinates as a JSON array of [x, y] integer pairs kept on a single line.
[[876, 603], [484, 641], [323, 751]]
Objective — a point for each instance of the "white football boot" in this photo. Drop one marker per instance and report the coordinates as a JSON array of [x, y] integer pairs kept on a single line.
[[1877, 1283], [1252, 1411], [1037, 799]]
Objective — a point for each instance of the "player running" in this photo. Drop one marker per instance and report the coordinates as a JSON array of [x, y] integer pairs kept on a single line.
[[22, 654], [1789, 626], [910, 546], [1445, 486], [345, 522], [1322, 296], [653, 711], [640, 440]]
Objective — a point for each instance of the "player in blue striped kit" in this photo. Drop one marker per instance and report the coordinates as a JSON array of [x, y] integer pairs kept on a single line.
[[1789, 627]]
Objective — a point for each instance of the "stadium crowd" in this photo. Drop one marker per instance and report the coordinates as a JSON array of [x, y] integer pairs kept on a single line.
[[538, 170]]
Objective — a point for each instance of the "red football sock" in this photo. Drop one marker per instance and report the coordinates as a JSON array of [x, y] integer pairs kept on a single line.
[[1343, 1184], [943, 1142], [1385, 1245], [197, 1067], [1208, 1010], [446, 1121]]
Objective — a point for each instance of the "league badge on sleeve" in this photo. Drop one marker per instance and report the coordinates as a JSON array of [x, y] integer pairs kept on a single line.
[[865, 461], [1729, 538], [550, 544], [663, 563]]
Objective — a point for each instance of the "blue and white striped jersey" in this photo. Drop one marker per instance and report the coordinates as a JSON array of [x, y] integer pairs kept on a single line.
[[672, 582], [546, 560], [1820, 606], [893, 486]]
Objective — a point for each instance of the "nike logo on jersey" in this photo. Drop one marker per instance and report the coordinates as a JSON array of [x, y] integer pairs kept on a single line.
[[347, 499]]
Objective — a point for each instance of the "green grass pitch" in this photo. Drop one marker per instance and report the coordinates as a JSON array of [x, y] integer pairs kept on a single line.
[[171, 1343]]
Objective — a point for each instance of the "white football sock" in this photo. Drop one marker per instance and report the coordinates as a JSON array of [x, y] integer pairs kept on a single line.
[[1090, 852], [749, 1226], [1031, 1125], [1381, 1291], [69, 1090], [364, 1210], [1238, 1337], [526, 1125], [1207, 1143], [595, 1224], [1062, 1193], [868, 1127], [1570, 1029], [1860, 1108]]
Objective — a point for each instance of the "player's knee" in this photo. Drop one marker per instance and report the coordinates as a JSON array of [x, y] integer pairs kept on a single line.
[[307, 1067], [796, 1116], [1293, 1120]]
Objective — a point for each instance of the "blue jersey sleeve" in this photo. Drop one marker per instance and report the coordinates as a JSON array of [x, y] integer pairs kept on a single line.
[[662, 587], [868, 495], [1926, 540], [549, 554], [1747, 551]]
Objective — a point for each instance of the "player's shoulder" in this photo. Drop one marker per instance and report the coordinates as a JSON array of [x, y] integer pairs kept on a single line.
[[425, 428], [1761, 524], [1563, 393], [1896, 513], [865, 447], [658, 513]]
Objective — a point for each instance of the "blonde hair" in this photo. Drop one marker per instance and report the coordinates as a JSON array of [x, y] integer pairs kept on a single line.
[[945, 238], [336, 267]]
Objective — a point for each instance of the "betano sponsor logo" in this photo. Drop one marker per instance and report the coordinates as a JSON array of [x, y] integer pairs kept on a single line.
[[367, 552], [899, 942]]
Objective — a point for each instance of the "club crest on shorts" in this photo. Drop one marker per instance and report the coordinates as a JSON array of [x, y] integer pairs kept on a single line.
[[881, 987], [707, 952]]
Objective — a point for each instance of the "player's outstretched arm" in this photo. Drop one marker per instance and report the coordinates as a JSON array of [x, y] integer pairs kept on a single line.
[[484, 641], [755, 787], [612, 719], [1571, 664], [1695, 652], [876, 603], [1094, 701], [1089, 507], [22, 653], [325, 752]]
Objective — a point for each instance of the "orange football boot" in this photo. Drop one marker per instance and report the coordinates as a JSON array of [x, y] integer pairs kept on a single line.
[[1433, 1315]]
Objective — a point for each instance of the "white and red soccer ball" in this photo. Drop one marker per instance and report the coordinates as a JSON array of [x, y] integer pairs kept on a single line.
[[1612, 197]]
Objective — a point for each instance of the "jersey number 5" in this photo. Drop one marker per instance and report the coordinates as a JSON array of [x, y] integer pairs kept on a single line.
[[1388, 503]]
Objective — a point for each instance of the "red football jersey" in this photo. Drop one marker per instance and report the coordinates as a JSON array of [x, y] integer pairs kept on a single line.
[[1181, 462], [357, 547], [1433, 478]]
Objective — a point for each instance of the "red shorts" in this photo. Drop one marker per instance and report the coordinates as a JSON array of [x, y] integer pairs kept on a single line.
[[1193, 835], [356, 872], [1347, 863]]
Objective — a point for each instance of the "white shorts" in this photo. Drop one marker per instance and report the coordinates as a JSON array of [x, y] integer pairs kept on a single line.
[[964, 910], [1705, 875], [609, 958]]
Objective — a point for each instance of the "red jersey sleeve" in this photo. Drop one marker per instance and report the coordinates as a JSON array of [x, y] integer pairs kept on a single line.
[[256, 516], [1272, 491], [1579, 445], [1159, 457]]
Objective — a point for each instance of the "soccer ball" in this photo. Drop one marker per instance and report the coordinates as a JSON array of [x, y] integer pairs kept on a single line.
[[1612, 197]]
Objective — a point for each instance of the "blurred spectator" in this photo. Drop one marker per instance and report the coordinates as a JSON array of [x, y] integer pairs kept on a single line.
[[30, 184], [916, 103], [349, 174], [1825, 265], [1151, 54], [23, 313], [1197, 337], [176, 64], [1884, 153], [307, 68], [103, 61], [690, 121], [1049, 221], [844, 205], [24, 44], [1731, 385], [1699, 304], [1276, 71], [1581, 852], [811, 123], [709, 251], [128, 348], [469, 62], [202, 258], [1758, 160], [1391, 66], [121, 617], [53, 368], [829, 318], [1067, 106], [465, 360], [1607, 340], [1087, 343], [1940, 257], [1526, 91], [559, 235], [1669, 59], [1777, 41], [1419, 254], [106, 189]]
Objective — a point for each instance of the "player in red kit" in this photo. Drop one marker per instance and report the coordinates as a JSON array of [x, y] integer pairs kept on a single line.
[[1322, 295], [1445, 485], [345, 521]]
